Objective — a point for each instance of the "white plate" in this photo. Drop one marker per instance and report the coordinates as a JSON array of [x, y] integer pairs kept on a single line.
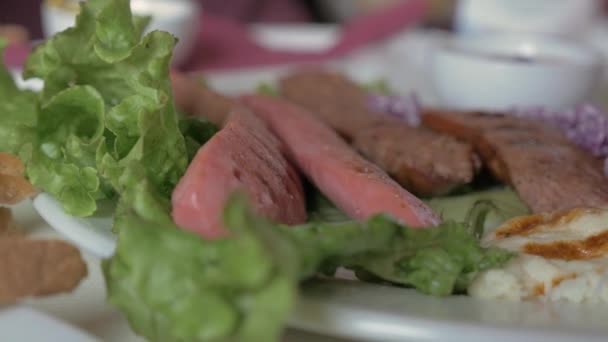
[[22, 323], [350, 309]]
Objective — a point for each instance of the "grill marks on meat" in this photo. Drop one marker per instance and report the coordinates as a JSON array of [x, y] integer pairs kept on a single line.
[[243, 156], [355, 185], [423, 161], [548, 171], [418, 159]]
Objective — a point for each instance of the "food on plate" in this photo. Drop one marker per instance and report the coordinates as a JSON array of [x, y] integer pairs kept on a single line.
[[30, 267], [243, 156], [424, 162], [193, 98], [14, 187], [563, 257], [407, 108], [505, 202], [105, 126], [549, 172], [356, 186], [174, 285], [8, 227]]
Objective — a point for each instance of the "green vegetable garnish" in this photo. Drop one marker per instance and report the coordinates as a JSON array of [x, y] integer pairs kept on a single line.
[[196, 131], [505, 204], [265, 88], [19, 112], [106, 103], [176, 286], [379, 86]]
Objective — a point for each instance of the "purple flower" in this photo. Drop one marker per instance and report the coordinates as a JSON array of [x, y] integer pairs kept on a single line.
[[406, 108], [585, 125]]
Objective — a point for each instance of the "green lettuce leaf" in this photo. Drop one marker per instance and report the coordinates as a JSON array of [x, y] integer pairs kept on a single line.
[[18, 112], [378, 86], [67, 136], [107, 103], [265, 88], [505, 200], [196, 132], [173, 285], [438, 261]]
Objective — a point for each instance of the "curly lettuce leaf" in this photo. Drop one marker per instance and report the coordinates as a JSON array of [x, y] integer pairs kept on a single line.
[[438, 261], [115, 32], [18, 112], [67, 136], [173, 285], [83, 155]]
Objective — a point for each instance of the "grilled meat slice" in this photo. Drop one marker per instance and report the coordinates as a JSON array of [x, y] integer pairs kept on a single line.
[[548, 171], [358, 187], [243, 156], [425, 162]]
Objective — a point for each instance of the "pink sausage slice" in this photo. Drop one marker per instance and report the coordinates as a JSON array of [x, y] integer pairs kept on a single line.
[[355, 185], [243, 156]]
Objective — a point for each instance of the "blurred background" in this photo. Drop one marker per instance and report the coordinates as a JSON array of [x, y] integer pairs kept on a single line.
[[23, 22], [225, 34]]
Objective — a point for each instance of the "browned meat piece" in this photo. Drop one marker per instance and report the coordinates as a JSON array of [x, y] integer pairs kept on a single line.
[[417, 159], [6, 220], [355, 185], [194, 98], [37, 268], [548, 171], [8, 227], [335, 99], [425, 162], [13, 186]]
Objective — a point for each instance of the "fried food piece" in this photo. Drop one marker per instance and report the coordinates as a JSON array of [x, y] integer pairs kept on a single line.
[[38, 267], [14, 188], [8, 227]]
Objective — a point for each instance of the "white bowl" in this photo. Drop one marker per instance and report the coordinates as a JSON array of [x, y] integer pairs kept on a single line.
[[502, 71], [178, 17], [561, 17]]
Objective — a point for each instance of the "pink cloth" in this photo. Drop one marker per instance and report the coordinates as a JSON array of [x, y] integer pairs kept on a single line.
[[257, 10], [226, 44], [15, 55]]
